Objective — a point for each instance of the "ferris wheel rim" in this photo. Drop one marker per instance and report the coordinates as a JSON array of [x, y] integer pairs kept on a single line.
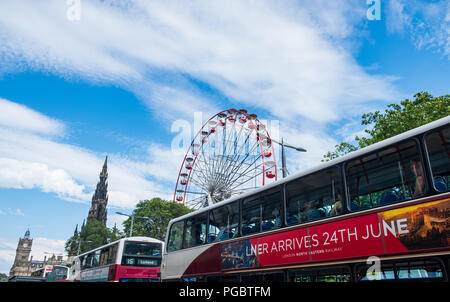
[[226, 115]]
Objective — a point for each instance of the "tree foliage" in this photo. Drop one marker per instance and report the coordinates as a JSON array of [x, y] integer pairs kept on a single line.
[[92, 235], [396, 119], [159, 213]]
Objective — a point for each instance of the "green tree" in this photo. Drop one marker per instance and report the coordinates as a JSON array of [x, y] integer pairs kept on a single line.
[[92, 235], [72, 243], [160, 213], [116, 234], [396, 119]]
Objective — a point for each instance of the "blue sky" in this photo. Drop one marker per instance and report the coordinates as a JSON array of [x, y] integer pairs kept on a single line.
[[115, 81]]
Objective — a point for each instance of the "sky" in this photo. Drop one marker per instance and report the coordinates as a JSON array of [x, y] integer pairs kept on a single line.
[[81, 80]]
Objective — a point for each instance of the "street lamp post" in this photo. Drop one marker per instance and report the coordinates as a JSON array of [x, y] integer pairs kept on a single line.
[[132, 220], [79, 245], [283, 154]]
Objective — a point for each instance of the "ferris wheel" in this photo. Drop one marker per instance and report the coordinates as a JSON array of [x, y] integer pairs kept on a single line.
[[231, 154]]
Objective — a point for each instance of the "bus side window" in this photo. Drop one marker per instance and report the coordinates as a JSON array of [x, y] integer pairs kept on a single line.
[[262, 213], [88, 263], [223, 222], [314, 197], [82, 262], [251, 216], [104, 256], [195, 233], [175, 236], [385, 177], [112, 254], [438, 147], [96, 258], [271, 214]]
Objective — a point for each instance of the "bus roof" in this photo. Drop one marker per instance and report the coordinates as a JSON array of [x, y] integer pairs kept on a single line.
[[380, 145], [135, 238]]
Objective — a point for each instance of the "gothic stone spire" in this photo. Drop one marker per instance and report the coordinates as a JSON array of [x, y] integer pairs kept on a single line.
[[100, 197]]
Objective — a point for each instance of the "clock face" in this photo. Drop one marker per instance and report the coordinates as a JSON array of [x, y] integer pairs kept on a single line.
[[25, 245]]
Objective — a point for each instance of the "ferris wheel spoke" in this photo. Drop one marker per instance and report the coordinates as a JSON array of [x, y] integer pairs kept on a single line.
[[243, 160], [198, 201], [227, 178], [233, 160], [245, 181], [200, 182], [224, 159], [236, 176]]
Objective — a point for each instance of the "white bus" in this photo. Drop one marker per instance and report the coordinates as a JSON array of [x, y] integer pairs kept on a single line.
[[390, 200], [125, 260]]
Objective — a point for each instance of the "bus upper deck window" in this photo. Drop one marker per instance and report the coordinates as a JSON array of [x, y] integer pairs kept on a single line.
[[314, 197], [385, 177], [223, 222], [262, 212], [438, 147], [175, 236], [195, 233]]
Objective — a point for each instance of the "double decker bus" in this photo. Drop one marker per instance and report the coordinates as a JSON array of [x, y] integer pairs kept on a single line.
[[390, 200], [132, 259]]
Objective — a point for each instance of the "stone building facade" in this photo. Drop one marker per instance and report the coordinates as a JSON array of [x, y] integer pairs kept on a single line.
[[24, 265]]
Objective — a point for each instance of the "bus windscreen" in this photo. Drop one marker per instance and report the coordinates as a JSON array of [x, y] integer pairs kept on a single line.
[[141, 254]]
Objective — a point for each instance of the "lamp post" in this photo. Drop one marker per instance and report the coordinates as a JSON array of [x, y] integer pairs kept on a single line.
[[132, 220], [79, 245], [283, 154]]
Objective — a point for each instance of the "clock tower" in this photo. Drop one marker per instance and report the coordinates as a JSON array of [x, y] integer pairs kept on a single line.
[[22, 255]]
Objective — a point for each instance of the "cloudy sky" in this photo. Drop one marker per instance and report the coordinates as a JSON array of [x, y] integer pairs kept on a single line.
[[78, 83]]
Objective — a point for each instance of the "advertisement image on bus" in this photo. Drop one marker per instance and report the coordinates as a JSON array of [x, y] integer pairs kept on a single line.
[[402, 230]]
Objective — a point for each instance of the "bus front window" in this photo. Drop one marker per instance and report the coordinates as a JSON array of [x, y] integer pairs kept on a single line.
[[141, 254]]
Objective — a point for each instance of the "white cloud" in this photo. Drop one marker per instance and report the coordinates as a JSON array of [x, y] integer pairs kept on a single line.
[[19, 174], [292, 60], [7, 254], [115, 219], [397, 19], [316, 142], [426, 23], [11, 212], [289, 59], [20, 117], [45, 247], [31, 160]]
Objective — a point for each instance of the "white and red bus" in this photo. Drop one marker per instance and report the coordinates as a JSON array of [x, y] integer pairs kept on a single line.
[[390, 200], [132, 259]]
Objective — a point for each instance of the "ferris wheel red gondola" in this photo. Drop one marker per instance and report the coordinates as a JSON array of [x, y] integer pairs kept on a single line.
[[230, 154]]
